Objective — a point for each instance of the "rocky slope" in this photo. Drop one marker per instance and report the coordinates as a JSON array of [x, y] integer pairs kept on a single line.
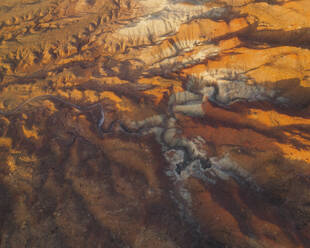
[[169, 123]]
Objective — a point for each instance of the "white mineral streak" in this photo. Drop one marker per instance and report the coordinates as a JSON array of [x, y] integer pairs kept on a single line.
[[175, 50], [175, 156], [143, 38], [222, 168], [183, 97], [150, 122], [194, 169], [225, 168], [177, 61], [163, 18], [193, 110], [230, 85]]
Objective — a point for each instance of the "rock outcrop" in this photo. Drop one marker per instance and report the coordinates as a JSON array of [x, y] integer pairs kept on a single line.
[[169, 123]]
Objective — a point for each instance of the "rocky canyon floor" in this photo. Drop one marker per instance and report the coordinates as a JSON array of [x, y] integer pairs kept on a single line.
[[155, 123]]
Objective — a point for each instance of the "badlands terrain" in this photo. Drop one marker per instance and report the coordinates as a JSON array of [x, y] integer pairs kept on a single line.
[[155, 123]]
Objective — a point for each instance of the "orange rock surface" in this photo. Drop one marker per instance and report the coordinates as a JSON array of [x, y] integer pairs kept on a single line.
[[158, 124]]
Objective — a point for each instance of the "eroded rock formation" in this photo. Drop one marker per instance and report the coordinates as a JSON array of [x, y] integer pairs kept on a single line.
[[169, 123]]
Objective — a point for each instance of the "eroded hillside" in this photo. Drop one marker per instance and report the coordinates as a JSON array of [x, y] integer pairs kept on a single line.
[[168, 123]]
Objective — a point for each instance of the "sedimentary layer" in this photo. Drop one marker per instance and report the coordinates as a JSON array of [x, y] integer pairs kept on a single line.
[[169, 123]]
